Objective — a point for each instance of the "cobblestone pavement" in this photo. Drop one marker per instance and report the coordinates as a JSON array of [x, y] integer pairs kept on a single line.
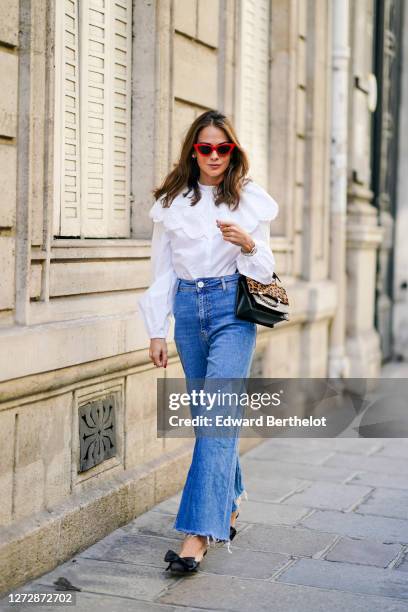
[[324, 529]]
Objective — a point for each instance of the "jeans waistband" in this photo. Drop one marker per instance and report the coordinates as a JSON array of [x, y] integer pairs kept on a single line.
[[207, 282]]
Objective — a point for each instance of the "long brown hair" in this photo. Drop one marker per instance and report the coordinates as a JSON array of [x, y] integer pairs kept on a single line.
[[186, 171]]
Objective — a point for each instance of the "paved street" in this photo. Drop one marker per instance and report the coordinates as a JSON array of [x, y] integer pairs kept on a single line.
[[324, 529]]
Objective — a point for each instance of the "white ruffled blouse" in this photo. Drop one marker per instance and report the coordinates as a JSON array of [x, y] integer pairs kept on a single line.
[[187, 243]]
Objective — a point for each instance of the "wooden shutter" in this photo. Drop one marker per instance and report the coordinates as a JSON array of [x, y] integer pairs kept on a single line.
[[67, 144], [102, 120], [121, 117], [254, 85], [94, 106]]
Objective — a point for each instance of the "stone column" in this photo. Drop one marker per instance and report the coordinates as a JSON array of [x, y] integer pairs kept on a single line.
[[363, 233], [337, 361], [363, 237]]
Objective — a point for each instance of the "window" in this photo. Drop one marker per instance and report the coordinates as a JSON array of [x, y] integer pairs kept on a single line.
[[92, 118]]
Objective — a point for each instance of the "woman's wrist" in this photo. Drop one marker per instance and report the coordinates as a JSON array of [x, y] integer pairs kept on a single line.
[[248, 246]]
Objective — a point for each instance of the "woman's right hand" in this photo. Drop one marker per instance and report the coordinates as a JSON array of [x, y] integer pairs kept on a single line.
[[158, 351]]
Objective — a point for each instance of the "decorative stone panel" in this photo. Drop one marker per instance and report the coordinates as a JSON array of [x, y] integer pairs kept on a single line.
[[98, 430]]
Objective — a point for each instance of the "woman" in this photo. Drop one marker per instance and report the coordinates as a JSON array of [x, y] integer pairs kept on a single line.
[[211, 224]]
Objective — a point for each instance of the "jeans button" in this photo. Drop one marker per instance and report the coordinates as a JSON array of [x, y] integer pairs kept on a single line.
[[200, 284]]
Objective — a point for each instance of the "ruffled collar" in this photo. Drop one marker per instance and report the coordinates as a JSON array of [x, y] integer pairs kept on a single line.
[[255, 205]]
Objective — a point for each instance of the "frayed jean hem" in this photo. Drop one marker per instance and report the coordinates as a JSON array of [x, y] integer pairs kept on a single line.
[[210, 538], [237, 502]]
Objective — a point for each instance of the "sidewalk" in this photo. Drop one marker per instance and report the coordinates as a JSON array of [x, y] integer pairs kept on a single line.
[[325, 529]]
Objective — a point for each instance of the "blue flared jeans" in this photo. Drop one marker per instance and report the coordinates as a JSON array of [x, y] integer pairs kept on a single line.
[[212, 343]]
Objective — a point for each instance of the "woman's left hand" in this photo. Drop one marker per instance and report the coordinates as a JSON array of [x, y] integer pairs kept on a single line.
[[235, 234]]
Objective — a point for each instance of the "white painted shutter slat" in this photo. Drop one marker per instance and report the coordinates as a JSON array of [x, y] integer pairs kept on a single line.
[[94, 51], [68, 179], [120, 118], [254, 86]]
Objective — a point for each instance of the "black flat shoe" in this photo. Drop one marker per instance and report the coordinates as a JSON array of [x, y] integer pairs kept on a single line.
[[233, 531], [181, 565]]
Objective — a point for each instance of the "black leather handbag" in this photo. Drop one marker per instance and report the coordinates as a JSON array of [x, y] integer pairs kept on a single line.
[[263, 304]]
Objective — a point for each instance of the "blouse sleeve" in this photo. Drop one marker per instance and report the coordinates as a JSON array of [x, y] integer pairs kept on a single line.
[[156, 304], [261, 265]]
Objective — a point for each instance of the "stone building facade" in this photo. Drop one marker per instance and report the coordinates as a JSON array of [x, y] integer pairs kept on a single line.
[[96, 96]]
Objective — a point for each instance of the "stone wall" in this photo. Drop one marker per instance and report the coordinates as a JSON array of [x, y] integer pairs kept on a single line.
[[8, 154]]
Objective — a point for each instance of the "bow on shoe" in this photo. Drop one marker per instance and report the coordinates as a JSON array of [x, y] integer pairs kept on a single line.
[[189, 563]]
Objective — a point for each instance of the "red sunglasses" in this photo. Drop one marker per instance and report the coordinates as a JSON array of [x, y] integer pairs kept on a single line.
[[222, 149]]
